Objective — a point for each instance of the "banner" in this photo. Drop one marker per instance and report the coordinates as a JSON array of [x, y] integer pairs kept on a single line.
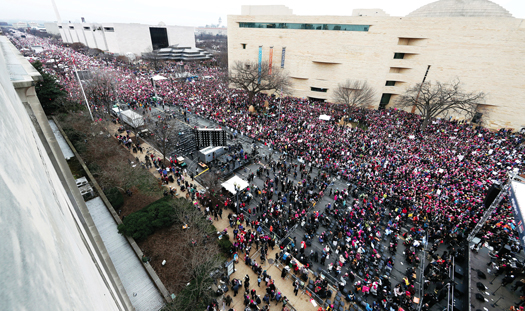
[[282, 57], [260, 61], [270, 62]]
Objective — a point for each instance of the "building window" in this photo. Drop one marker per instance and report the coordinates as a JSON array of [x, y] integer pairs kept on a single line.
[[109, 29], [390, 83], [59, 27], [477, 117], [71, 27], [385, 100], [337, 27], [86, 28], [318, 89], [315, 99], [243, 46], [399, 55], [247, 66], [159, 37]]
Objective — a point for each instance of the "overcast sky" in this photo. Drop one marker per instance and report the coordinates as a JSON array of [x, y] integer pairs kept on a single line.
[[198, 12]]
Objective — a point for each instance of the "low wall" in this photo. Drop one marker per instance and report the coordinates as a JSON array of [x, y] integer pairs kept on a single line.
[[152, 274]]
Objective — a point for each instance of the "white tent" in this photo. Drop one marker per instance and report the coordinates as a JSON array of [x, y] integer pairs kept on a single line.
[[157, 78], [324, 117], [230, 184], [517, 199]]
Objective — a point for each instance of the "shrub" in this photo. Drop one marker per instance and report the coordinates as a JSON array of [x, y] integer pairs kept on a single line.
[[115, 197], [225, 245], [144, 222], [77, 138]]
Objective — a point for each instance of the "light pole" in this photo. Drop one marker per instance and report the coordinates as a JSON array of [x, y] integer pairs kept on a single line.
[[237, 188], [82, 89], [419, 91]]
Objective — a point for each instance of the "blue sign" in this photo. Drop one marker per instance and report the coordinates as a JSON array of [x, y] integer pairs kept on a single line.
[[282, 57], [260, 61]]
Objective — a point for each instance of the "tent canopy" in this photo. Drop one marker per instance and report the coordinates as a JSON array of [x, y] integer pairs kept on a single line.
[[230, 184], [324, 117], [158, 77], [517, 198]]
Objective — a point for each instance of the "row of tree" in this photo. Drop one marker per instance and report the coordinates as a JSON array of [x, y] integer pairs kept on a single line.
[[431, 100]]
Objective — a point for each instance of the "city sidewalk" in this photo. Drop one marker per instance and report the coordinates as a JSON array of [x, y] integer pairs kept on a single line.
[[300, 302], [147, 150]]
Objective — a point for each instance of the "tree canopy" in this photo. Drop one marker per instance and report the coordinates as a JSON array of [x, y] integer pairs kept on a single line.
[[354, 93], [246, 75], [100, 89], [440, 99], [48, 91], [144, 222]]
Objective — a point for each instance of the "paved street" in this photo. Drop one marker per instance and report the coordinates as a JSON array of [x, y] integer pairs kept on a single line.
[[303, 300]]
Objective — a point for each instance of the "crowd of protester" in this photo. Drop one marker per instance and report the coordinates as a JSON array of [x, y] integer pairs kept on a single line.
[[431, 181]]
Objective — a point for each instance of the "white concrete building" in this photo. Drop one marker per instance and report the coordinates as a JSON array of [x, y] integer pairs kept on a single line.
[[53, 257], [121, 38], [20, 25], [475, 41], [52, 28]]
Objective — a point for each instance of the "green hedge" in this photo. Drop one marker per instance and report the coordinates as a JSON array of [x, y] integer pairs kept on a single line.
[[144, 222], [225, 245], [115, 197]]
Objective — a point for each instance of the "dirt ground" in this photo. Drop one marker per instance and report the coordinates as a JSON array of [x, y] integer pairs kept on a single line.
[[174, 245], [136, 202]]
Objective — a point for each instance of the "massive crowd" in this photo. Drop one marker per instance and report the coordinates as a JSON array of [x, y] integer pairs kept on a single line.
[[437, 178]]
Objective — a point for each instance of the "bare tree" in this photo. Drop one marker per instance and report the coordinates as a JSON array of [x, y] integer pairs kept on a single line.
[[166, 136], [154, 58], [200, 254], [210, 180], [354, 93], [100, 89], [222, 59], [247, 76], [440, 100]]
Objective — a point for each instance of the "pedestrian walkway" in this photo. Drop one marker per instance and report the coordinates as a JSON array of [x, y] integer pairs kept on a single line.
[[141, 290], [300, 302], [147, 150]]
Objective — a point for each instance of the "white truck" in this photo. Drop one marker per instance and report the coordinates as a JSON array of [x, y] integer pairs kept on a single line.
[[132, 118]]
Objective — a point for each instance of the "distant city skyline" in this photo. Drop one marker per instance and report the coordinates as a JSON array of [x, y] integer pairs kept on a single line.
[[205, 12]]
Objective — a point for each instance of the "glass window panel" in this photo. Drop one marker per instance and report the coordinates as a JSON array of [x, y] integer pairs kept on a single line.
[[337, 27]]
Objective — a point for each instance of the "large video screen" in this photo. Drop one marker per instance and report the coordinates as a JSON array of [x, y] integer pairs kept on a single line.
[[159, 37]]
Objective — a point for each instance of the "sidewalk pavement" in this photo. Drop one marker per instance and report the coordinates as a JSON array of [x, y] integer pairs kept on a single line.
[[301, 302], [148, 149]]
